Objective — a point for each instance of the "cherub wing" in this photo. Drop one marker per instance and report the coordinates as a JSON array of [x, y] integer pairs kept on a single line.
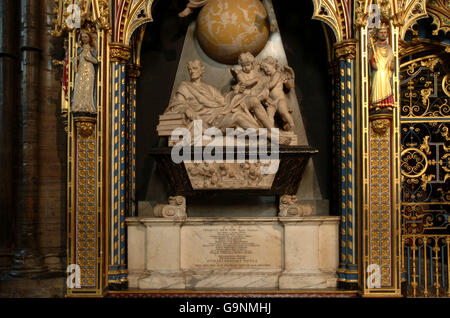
[[288, 76]]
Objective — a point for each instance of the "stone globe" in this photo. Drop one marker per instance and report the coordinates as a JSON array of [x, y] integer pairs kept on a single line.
[[227, 28]]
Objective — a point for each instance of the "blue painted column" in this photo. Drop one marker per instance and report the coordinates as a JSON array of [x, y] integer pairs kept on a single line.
[[344, 146], [117, 270]]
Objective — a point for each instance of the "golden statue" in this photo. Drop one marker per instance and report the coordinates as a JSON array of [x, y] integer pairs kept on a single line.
[[84, 88], [382, 63]]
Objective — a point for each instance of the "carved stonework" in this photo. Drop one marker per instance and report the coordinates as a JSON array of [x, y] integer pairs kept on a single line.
[[103, 19], [381, 122], [345, 50], [85, 126], [380, 126], [290, 207], [176, 209], [439, 10], [120, 53], [254, 102], [361, 14], [133, 71], [215, 175]]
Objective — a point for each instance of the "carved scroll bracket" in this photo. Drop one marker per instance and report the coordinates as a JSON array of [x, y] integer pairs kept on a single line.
[[176, 209], [289, 207], [381, 123], [85, 125]]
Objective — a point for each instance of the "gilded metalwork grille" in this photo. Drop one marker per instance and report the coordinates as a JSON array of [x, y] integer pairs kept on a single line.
[[425, 167]]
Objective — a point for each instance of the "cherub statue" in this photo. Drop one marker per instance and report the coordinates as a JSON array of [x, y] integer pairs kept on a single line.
[[250, 84], [278, 80]]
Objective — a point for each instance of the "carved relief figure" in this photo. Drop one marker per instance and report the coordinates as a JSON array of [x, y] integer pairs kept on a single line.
[[250, 83], [200, 101], [242, 107], [192, 4], [84, 87], [278, 80], [382, 63]]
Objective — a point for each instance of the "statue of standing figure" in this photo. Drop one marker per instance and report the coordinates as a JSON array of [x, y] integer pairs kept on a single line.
[[85, 79], [382, 64]]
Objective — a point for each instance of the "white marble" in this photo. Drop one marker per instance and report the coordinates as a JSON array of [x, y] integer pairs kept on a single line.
[[291, 253], [231, 246], [232, 279], [163, 247], [169, 280]]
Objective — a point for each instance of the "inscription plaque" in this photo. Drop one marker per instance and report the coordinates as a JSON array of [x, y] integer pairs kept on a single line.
[[222, 247]]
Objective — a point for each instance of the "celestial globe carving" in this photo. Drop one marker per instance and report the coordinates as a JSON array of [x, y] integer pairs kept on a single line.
[[227, 28]]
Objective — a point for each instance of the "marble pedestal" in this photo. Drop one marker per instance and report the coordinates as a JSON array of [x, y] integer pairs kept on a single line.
[[277, 253]]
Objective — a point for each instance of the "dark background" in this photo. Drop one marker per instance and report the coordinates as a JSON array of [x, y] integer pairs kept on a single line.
[[306, 49]]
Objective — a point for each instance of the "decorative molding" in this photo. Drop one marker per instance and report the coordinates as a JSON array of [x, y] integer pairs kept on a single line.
[[289, 207], [406, 13], [335, 13], [102, 14], [345, 49], [361, 13], [86, 217], [85, 126], [214, 175], [176, 209], [132, 15], [120, 53], [439, 10], [380, 126]]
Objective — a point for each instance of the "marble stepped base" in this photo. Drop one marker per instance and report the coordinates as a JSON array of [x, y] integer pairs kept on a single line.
[[233, 253]]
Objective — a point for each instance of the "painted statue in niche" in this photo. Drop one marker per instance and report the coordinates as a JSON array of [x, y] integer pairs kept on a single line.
[[192, 4], [382, 65], [85, 75]]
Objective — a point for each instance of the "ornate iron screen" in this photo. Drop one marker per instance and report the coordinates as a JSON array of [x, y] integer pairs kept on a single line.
[[425, 167]]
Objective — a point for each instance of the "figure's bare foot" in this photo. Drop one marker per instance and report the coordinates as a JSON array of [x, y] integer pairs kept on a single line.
[[185, 12], [288, 128]]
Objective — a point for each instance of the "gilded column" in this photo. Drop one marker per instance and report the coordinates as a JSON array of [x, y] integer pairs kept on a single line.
[[379, 160]]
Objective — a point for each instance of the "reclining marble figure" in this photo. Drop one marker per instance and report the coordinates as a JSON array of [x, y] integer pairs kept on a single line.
[[251, 103]]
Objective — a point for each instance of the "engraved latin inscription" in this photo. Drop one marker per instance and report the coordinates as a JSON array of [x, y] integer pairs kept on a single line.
[[231, 247]]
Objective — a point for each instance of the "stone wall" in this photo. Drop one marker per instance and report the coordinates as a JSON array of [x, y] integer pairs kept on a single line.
[[34, 202]]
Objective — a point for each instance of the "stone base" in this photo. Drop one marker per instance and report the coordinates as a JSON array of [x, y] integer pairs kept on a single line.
[[311, 280], [277, 253]]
